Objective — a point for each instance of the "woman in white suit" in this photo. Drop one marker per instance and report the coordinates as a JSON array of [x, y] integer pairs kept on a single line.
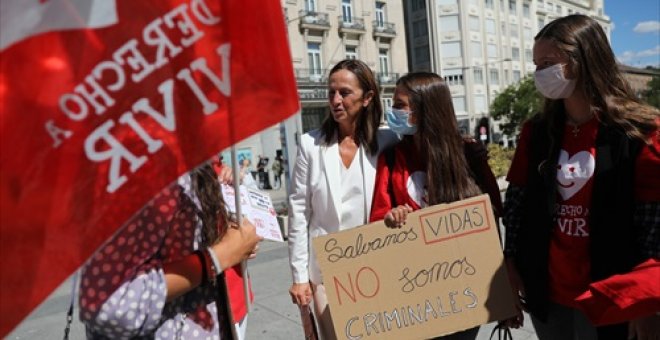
[[333, 179]]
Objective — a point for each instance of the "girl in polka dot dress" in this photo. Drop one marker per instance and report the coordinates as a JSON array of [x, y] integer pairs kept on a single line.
[[156, 278]]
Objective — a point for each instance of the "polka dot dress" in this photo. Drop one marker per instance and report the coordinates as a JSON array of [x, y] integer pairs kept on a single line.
[[123, 290]]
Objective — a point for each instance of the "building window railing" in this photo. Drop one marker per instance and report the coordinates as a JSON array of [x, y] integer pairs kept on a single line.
[[313, 18], [353, 24], [306, 75], [383, 27], [387, 78]]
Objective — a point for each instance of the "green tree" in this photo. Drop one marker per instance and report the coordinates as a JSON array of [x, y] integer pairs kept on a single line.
[[652, 95], [515, 104]]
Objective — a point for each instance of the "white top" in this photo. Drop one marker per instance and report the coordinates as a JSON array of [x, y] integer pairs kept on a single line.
[[352, 194], [316, 196]]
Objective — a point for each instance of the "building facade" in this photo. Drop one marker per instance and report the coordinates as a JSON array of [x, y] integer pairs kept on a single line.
[[324, 32], [639, 78], [482, 46]]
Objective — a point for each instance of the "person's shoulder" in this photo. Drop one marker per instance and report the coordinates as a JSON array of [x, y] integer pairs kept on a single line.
[[386, 137], [474, 149], [312, 139]]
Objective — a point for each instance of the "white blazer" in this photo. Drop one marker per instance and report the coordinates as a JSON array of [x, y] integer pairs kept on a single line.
[[315, 200]]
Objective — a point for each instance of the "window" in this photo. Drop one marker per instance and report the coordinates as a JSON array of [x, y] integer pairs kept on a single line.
[[459, 104], [446, 2], [492, 51], [475, 48], [422, 54], [474, 2], [514, 30], [384, 61], [526, 11], [515, 53], [419, 28], [516, 76], [494, 75], [449, 23], [387, 103], [488, 4], [480, 103], [380, 14], [490, 26], [310, 5], [502, 5], [559, 8], [418, 5], [451, 50], [474, 22], [512, 7], [528, 54], [453, 76], [478, 75], [347, 11], [351, 52], [540, 24], [314, 56], [527, 33]]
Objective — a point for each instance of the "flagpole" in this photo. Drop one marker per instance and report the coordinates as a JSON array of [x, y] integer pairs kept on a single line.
[[239, 219]]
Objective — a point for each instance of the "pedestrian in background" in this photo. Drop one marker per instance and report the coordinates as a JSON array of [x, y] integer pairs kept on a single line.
[[583, 202], [433, 163], [278, 169], [333, 179], [161, 275]]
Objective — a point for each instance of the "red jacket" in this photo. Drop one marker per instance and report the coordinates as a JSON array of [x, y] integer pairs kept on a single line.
[[408, 176]]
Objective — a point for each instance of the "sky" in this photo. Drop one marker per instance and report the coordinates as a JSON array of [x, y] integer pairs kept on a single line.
[[635, 36]]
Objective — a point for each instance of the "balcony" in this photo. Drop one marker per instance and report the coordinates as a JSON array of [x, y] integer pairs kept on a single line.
[[351, 25], [387, 78], [314, 20], [384, 29], [311, 76]]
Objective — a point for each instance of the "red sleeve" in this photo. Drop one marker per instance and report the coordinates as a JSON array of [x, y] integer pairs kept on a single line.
[[381, 203], [518, 171], [647, 167]]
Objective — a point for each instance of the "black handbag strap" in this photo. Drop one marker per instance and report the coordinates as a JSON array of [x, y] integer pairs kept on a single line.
[[503, 332]]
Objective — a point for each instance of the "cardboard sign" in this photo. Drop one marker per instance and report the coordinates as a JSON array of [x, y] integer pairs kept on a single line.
[[442, 272]]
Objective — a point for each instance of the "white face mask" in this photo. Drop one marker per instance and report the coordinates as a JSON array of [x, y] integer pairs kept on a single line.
[[551, 83]]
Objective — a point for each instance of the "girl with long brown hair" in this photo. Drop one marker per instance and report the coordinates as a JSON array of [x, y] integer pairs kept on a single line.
[[433, 163], [584, 194]]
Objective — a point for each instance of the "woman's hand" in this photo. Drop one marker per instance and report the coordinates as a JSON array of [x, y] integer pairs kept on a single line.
[[646, 328], [396, 217], [226, 175], [237, 244], [301, 293], [518, 295]]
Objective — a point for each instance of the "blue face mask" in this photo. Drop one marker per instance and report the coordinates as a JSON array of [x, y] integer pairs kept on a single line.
[[398, 122]]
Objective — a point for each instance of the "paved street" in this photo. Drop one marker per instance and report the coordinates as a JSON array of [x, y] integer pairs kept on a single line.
[[273, 315]]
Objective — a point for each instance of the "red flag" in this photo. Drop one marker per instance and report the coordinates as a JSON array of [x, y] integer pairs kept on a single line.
[[103, 103]]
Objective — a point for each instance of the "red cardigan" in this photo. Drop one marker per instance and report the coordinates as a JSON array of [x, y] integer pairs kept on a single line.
[[407, 162]]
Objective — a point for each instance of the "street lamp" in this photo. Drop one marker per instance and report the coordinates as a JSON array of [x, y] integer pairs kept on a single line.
[[488, 95]]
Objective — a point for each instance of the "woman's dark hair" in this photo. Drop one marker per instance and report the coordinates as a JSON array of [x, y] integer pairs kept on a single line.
[[449, 177], [597, 74], [369, 120], [213, 212]]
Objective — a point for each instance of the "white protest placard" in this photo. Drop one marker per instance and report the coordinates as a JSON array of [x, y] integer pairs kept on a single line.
[[258, 208], [440, 273]]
